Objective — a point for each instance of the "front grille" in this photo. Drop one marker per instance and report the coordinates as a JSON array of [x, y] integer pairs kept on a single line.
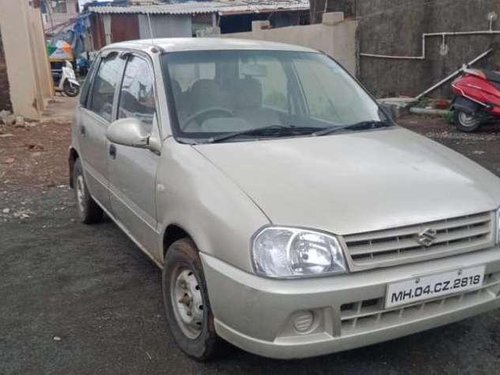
[[363, 316], [401, 245]]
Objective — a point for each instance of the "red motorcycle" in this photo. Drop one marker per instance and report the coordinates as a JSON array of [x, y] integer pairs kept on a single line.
[[477, 98]]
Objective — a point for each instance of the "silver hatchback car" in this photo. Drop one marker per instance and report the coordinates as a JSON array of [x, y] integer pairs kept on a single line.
[[290, 215]]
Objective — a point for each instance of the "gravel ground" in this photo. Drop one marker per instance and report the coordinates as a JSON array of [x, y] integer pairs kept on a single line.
[[79, 299]]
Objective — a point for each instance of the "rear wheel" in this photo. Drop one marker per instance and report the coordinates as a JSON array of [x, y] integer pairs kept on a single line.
[[188, 310], [466, 122], [70, 89], [88, 210]]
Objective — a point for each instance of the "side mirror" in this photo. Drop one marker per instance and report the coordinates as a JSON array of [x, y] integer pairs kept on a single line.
[[389, 111], [128, 132]]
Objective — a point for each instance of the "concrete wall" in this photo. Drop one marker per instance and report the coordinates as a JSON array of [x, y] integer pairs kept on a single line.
[[39, 48], [4, 81], [24, 57], [391, 27], [334, 36]]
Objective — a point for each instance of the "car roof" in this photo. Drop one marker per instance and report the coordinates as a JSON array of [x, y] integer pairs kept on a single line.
[[205, 44]]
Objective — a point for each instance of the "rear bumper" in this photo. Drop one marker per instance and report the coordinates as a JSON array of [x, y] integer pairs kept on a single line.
[[257, 314]]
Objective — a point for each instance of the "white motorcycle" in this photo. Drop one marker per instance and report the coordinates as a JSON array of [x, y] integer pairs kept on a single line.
[[65, 80]]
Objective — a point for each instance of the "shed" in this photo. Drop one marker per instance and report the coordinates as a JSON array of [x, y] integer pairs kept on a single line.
[[120, 23]]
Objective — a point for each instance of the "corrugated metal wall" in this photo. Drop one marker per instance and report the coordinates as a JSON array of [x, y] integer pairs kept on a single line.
[[123, 27], [165, 26]]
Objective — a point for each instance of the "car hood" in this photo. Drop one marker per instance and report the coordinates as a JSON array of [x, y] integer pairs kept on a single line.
[[356, 182]]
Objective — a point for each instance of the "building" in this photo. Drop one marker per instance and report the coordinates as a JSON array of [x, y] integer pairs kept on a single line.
[[120, 23], [58, 13]]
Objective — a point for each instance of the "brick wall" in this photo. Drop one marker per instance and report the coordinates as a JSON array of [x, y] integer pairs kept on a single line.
[[4, 82]]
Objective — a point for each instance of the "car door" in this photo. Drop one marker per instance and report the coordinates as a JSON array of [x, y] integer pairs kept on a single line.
[[94, 116], [132, 171]]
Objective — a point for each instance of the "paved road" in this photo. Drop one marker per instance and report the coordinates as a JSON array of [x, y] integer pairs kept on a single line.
[[78, 299]]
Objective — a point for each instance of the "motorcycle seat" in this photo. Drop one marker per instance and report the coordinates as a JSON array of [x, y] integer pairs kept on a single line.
[[492, 75]]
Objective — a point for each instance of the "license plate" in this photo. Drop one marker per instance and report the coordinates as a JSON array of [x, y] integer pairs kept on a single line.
[[433, 286]]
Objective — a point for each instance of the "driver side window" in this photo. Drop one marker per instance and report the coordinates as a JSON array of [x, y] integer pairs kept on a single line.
[[137, 97]]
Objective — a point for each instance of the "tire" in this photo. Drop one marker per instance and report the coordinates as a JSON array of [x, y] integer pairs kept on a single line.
[[191, 321], [71, 90], [465, 122], [88, 210]]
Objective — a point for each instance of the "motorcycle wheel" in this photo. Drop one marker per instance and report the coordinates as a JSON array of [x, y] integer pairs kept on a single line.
[[466, 122], [71, 90]]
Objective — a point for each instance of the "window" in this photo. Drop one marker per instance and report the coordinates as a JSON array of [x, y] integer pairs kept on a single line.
[[59, 6], [105, 82], [331, 94], [187, 74], [137, 98], [227, 91], [270, 73], [88, 83]]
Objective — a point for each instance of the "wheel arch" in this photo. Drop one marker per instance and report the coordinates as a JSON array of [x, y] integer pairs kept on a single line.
[[172, 233]]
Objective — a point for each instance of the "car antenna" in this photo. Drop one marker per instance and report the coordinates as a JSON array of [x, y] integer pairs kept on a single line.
[[153, 45]]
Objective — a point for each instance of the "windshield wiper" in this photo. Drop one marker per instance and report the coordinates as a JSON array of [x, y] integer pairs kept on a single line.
[[363, 125], [268, 131]]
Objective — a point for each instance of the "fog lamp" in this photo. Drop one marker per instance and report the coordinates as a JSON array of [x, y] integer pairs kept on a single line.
[[303, 321]]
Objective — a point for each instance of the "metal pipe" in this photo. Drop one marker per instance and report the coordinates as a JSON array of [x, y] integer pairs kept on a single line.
[[454, 74], [428, 35]]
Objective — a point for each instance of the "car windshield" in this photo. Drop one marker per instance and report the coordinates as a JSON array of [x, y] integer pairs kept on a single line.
[[217, 93]]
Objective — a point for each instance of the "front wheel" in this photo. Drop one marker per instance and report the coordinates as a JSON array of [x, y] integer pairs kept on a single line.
[[71, 89], [188, 310], [466, 122]]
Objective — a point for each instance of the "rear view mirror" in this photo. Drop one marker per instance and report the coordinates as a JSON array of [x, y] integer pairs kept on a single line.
[[128, 132]]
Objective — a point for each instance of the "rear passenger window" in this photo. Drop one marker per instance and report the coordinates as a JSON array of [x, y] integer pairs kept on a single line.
[[105, 82], [137, 97], [87, 84]]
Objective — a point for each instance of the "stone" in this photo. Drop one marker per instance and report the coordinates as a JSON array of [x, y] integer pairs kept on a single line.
[[332, 18], [3, 115], [20, 120], [10, 120]]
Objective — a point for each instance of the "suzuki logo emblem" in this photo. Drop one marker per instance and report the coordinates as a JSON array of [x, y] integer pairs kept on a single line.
[[427, 237]]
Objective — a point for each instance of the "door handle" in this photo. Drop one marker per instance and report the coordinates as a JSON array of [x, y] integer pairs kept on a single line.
[[83, 130], [112, 151]]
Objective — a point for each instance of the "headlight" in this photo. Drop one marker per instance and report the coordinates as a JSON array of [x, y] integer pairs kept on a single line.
[[282, 252]]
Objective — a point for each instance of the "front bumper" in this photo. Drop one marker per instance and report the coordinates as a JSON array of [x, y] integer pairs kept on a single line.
[[257, 314]]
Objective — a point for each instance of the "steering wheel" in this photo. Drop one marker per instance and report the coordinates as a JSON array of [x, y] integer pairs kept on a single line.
[[204, 114]]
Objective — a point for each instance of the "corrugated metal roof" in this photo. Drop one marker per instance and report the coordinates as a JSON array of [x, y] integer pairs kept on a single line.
[[236, 7]]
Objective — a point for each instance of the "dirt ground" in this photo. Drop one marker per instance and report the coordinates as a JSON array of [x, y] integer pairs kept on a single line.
[[34, 154], [79, 299]]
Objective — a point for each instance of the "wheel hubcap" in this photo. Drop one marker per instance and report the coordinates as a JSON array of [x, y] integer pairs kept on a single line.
[[187, 302], [467, 120], [80, 193]]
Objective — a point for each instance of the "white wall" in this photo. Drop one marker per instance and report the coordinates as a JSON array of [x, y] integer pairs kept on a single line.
[[335, 37], [165, 26]]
